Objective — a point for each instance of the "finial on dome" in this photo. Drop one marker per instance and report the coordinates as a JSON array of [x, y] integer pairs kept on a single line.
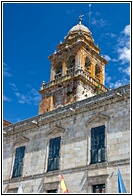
[[80, 18]]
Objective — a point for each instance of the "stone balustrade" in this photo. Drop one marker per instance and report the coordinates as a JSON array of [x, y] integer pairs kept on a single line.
[[72, 74]]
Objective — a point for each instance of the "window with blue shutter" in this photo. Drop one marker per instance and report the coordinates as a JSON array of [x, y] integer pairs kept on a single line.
[[18, 162], [54, 154], [98, 144]]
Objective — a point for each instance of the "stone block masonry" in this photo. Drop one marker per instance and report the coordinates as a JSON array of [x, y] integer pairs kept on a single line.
[[73, 124]]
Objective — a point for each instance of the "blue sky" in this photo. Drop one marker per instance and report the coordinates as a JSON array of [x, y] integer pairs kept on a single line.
[[31, 32]]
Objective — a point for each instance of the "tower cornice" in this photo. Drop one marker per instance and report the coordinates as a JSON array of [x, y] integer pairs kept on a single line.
[[76, 46]]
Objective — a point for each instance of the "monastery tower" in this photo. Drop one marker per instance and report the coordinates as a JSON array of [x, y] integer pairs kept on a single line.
[[77, 71]]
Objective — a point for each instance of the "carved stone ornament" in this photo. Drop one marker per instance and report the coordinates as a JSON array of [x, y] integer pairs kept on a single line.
[[97, 118], [21, 139], [55, 129]]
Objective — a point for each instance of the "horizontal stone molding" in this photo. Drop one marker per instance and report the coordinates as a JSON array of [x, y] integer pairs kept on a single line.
[[65, 112], [119, 162]]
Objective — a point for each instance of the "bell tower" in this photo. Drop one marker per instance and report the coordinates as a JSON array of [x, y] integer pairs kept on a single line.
[[77, 71]]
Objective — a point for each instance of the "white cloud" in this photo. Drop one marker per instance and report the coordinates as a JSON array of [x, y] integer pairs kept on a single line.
[[108, 79], [7, 99], [6, 70], [13, 86], [127, 30], [97, 13], [17, 94], [24, 99], [18, 119], [112, 83], [115, 60], [125, 70], [112, 35], [118, 83], [71, 12], [124, 54], [99, 22], [123, 46], [107, 57], [31, 97], [34, 92]]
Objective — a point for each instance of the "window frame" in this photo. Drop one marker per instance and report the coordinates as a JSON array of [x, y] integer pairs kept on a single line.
[[95, 141], [95, 121], [48, 154], [52, 191], [100, 187], [14, 160], [53, 132], [97, 179]]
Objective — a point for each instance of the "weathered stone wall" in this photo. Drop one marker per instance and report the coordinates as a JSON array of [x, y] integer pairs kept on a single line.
[[73, 123]]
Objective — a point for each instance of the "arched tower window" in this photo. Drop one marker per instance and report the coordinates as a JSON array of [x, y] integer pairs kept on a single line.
[[97, 71], [58, 70], [71, 64], [87, 63]]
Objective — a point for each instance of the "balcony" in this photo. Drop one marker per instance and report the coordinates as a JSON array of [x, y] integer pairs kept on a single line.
[[58, 75], [70, 70], [73, 74]]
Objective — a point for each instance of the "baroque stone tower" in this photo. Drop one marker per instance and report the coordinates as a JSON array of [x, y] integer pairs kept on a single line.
[[77, 71]]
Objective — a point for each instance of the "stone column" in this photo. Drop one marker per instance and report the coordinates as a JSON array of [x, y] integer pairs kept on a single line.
[[93, 69], [78, 60], [51, 103], [52, 72], [78, 91], [64, 68], [102, 74], [82, 59]]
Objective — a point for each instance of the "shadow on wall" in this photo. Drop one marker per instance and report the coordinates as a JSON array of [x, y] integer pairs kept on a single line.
[[41, 186], [83, 182]]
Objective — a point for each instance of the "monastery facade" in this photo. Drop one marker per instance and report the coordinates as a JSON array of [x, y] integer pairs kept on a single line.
[[82, 130]]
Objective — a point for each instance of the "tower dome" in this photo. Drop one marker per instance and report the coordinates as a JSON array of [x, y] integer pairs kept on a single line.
[[79, 27]]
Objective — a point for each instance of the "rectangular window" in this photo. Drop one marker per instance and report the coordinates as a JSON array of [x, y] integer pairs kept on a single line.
[[18, 162], [98, 144], [52, 191], [54, 154], [100, 188]]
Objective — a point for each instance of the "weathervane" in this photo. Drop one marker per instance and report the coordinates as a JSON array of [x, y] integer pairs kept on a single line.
[[80, 17]]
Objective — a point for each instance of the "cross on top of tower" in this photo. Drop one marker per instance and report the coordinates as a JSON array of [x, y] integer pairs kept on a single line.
[[80, 17]]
